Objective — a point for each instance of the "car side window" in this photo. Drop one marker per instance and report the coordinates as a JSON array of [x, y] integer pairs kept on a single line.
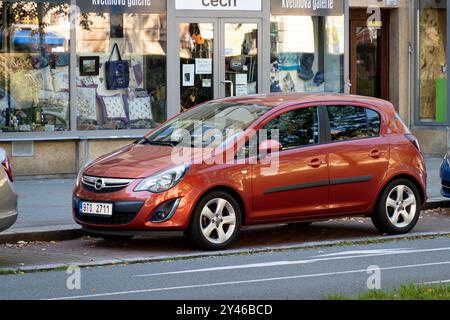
[[347, 123], [374, 122], [297, 128]]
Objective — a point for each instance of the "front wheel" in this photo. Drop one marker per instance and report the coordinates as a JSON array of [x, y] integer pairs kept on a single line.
[[399, 208], [216, 222]]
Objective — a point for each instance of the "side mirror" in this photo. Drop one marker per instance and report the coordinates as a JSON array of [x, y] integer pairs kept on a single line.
[[269, 146]]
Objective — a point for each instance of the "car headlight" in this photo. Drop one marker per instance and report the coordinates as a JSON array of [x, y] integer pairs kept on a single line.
[[163, 181], [81, 172]]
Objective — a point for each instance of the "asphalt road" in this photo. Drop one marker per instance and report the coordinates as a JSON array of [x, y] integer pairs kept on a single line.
[[300, 274]]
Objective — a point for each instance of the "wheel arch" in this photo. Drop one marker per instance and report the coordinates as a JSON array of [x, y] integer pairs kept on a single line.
[[233, 192], [410, 178]]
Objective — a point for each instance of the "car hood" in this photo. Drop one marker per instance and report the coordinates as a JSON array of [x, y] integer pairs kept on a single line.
[[132, 162]]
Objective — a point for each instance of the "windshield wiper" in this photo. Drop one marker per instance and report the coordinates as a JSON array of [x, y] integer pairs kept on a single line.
[[161, 143]]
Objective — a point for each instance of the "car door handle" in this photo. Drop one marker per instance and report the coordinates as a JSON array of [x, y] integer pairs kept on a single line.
[[376, 154], [316, 163]]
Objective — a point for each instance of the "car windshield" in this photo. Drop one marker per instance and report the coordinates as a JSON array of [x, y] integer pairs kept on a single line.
[[209, 125]]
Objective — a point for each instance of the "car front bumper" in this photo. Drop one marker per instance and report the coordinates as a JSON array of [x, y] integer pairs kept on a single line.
[[133, 211]]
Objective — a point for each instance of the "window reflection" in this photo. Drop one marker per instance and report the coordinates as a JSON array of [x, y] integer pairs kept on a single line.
[[34, 72], [196, 46], [141, 41], [296, 128], [348, 123], [307, 54], [432, 60]]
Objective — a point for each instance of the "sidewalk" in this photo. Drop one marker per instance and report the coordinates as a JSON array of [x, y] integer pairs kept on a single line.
[[45, 205]]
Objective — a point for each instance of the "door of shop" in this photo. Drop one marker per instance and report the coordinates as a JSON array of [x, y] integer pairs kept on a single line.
[[218, 58], [369, 54]]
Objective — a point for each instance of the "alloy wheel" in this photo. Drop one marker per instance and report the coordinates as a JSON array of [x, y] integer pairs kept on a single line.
[[401, 206], [218, 221]]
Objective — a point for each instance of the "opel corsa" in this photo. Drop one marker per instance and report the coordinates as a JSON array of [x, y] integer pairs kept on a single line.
[[258, 160]]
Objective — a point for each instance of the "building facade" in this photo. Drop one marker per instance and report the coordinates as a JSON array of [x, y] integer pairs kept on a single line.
[[81, 78]]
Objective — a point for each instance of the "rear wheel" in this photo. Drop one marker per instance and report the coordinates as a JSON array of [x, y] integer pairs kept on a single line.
[[216, 221], [399, 208]]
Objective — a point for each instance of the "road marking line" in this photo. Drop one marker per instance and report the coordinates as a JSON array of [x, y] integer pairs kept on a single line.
[[433, 282], [245, 281], [360, 252], [290, 263]]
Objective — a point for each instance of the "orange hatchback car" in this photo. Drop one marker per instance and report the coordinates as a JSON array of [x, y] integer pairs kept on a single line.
[[257, 160]]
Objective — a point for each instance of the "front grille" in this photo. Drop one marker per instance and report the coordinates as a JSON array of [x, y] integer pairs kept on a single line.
[[104, 185], [123, 213], [109, 190]]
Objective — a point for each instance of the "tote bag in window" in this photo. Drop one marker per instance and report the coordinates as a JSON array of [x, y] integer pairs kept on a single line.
[[117, 72]]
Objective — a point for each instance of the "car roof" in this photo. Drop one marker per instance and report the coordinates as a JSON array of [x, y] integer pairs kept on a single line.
[[275, 100]]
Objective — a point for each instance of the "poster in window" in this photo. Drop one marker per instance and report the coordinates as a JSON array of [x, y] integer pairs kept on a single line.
[[188, 75]]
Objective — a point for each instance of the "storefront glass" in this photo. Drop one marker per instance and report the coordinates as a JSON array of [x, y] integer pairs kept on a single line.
[[34, 66], [196, 48], [241, 58], [130, 94], [432, 68], [307, 47]]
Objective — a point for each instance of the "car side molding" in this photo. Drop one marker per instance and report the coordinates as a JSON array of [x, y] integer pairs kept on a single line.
[[318, 184]]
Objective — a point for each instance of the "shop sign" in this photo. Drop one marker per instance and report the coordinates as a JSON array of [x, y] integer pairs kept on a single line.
[[123, 6], [308, 7], [245, 5]]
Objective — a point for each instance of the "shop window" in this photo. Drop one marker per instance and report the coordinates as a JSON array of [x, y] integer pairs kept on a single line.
[[34, 66], [196, 45], [130, 94], [307, 50], [432, 82]]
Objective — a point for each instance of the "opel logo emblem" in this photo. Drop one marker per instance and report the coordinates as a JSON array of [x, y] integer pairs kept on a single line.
[[99, 184]]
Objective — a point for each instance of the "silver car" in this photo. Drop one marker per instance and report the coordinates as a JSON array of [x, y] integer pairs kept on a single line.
[[8, 195]]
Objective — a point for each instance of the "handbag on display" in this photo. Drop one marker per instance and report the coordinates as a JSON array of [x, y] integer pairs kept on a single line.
[[117, 72]]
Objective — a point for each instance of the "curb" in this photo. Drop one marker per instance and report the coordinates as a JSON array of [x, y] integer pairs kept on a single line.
[[308, 245], [436, 203], [45, 234]]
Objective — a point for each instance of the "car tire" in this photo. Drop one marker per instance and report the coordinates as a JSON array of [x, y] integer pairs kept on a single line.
[[398, 209], [216, 221]]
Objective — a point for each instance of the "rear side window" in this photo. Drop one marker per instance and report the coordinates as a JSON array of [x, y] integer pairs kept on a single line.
[[374, 121], [297, 128], [349, 123]]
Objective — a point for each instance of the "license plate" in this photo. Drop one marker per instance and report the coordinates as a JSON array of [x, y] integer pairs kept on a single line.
[[98, 209]]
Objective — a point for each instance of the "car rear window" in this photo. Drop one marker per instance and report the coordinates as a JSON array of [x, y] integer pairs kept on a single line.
[[350, 122]]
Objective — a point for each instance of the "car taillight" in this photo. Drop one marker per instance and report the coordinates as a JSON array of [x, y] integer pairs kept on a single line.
[[6, 165], [411, 138]]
